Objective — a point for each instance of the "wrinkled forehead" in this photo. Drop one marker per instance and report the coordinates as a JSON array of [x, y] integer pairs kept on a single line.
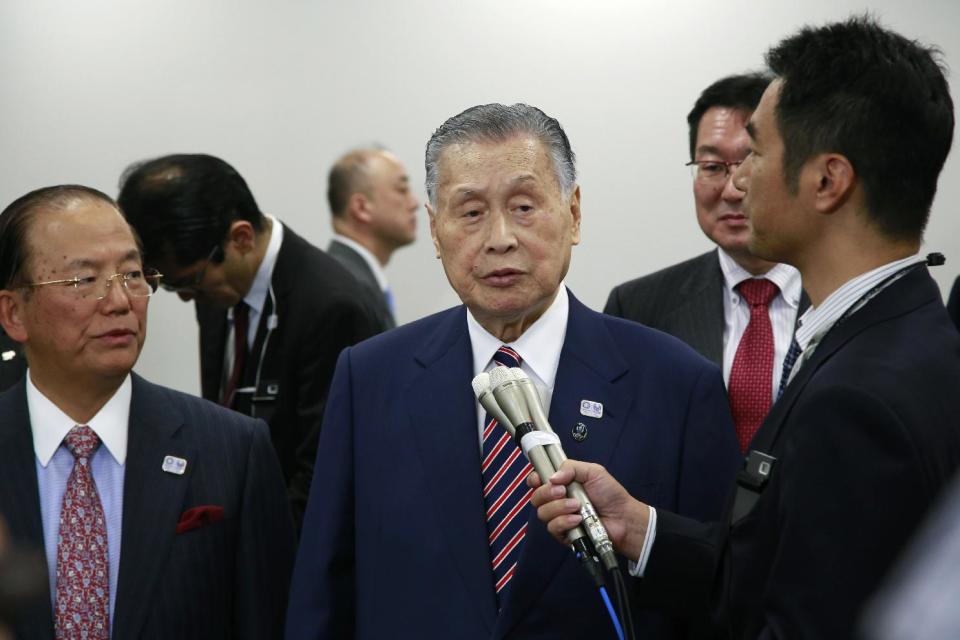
[[82, 231], [480, 164]]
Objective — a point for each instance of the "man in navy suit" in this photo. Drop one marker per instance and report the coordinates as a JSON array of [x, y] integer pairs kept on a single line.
[[160, 515], [405, 513], [866, 434]]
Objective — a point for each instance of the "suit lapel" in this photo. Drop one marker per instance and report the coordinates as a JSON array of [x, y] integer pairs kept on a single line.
[[911, 291], [590, 366], [152, 501], [699, 321], [20, 497], [443, 420], [213, 336]]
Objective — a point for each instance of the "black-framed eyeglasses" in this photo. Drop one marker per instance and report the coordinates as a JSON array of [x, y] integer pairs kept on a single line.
[[191, 283], [137, 284], [712, 171]]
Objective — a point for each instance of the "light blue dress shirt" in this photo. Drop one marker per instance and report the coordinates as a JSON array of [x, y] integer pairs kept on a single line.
[[55, 462]]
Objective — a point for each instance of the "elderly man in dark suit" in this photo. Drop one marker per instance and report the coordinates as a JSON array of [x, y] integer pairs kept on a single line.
[[374, 213], [866, 434], [419, 523], [274, 311], [735, 308], [161, 515]]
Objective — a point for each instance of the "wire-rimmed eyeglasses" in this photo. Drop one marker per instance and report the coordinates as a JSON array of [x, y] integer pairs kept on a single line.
[[712, 171], [137, 284], [191, 283]]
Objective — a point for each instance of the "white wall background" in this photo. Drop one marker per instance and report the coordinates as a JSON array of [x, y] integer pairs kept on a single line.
[[280, 89]]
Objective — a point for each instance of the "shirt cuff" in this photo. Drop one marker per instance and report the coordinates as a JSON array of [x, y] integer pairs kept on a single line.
[[636, 568]]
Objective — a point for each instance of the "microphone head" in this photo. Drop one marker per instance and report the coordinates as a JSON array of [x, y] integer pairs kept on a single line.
[[519, 374], [500, 375], [481, 384]]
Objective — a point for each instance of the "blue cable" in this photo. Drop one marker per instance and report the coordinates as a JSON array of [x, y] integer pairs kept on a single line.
[[613, 614]]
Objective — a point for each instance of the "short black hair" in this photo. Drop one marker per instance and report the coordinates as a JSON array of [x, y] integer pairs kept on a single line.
[[741, 92], [183, 205], [877, 98], [17, 217]]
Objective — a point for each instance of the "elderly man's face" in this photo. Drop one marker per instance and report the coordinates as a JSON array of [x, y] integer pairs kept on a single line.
[[65, 334], [503, 229]]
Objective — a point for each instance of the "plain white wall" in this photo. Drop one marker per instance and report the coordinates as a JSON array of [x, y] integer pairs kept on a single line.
[[280, 89]]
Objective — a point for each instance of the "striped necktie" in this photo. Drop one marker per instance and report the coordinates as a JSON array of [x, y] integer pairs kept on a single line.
[[505, 494]]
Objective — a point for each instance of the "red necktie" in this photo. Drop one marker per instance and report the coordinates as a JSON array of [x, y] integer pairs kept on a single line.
[[751, 378], [83, 577], [505, 494], [241, 321]]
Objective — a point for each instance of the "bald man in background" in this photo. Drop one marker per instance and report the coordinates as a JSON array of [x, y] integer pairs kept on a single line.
[[374, 214]]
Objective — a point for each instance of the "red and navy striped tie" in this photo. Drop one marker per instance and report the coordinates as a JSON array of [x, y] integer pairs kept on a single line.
[[505, 493]]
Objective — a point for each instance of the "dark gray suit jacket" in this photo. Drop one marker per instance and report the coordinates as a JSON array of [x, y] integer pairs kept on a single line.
[[358, 267], [226, 579], [953, 304], [11, 368], [685, 300]]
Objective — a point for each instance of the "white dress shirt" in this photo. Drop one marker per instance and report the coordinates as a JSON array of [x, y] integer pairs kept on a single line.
[[539, 346], [736, 313]]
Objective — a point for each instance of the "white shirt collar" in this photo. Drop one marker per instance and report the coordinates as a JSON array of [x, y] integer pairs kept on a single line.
[[368, 257], [50, 425], [787, 278], [815, 323], [257, 296], [539, 346]]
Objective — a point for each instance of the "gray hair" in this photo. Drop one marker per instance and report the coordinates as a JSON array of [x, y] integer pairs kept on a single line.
[[498, 122]]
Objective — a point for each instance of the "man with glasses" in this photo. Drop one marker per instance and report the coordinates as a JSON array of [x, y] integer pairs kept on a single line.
[[149, 504], [736, 309], [274, 311]]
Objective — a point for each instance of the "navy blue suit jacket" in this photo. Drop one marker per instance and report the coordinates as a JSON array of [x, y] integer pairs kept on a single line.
[[227, 579], [394, 543]]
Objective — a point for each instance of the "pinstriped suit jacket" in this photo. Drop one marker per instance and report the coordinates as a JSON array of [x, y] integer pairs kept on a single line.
[[228, 579], [685, 300]]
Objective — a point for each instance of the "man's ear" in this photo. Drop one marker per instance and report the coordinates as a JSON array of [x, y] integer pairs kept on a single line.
[[11, 315], [575, 212], [242, 236], [433, 228], [832, 181], [360, 208]]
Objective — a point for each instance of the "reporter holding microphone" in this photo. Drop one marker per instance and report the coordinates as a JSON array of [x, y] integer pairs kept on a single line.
[[866, 433]]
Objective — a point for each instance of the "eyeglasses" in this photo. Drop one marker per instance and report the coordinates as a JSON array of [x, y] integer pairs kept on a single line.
[[712, 171], [191, 284], [137, 284]]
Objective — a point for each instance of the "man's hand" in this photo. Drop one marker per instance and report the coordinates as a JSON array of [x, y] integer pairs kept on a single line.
[[624, 517]]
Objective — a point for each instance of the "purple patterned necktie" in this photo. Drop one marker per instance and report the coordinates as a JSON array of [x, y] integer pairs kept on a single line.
[[83, 578], [505, 494]]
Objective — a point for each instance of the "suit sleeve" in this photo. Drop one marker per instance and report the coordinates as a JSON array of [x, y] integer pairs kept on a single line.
[[266, 546], [853, 489], [339, 325], [322, 593]]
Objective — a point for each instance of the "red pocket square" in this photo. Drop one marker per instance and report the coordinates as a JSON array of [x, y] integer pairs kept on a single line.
[[199, 517]]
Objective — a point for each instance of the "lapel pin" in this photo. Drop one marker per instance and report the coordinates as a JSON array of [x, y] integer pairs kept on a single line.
[[579, 432], [591, 409], [8, 355], [174, 465]]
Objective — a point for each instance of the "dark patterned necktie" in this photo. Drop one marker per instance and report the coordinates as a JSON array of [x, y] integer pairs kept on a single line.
[[751, 376], [241, 322], [788, 363], [83, 575], [505, 494]]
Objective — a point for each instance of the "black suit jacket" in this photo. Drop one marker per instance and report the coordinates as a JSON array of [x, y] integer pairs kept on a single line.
[[684, 300], [358, 267], [953, 305], [320, 310], [228, 579], [12, 363], [865, 437]]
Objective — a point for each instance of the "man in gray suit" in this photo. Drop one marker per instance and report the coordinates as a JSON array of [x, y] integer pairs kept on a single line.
[[374, 214], [710, 301]]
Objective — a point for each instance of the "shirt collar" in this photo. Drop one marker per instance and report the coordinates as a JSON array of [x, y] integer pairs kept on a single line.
[[539, 346], [787, 278], [257, 296], [368, 257], [50, 425], [815, 323]]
